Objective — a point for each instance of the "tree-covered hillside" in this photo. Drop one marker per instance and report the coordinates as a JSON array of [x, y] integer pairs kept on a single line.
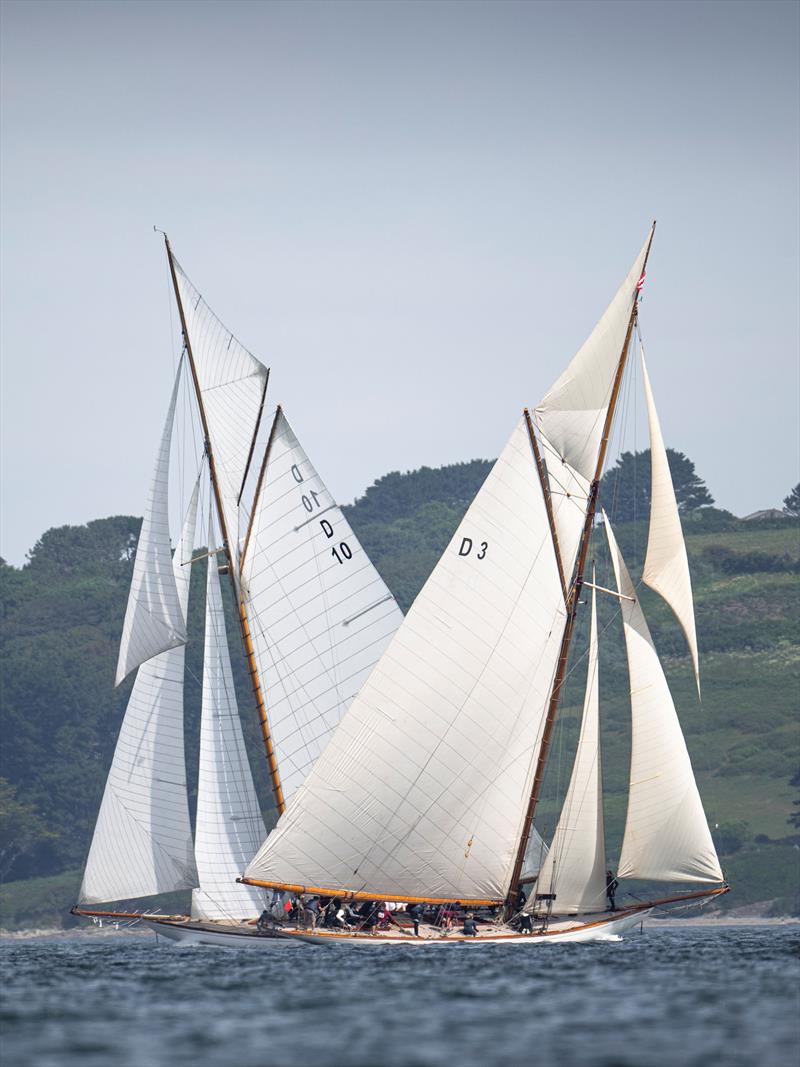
[[61, 615]]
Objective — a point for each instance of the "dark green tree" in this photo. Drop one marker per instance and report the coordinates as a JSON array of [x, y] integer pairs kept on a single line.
[[625, 488], [22, 833], [791, 503], [794, 818]]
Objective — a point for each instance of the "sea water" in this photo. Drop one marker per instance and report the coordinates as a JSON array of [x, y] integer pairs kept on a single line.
[[671, 997]]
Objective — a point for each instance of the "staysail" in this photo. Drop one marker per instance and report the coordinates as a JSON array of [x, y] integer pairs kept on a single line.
[[229, 827], [666, 566], [154, 620], [321, 615], [422, 789], [571, 415], [142, 842], [232, 385], [666, 833], [574, 868]]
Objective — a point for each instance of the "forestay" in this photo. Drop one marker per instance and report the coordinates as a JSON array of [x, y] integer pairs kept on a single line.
[[574, 868], [154, 620], [422, 789], [572, 414], [666, 833], [142, 842], [666, 566], [229, 826], [321, 615], [232, 384]]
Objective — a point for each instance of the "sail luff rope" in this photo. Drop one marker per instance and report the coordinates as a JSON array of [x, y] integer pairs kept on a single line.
[[272, 762], [572, 607]]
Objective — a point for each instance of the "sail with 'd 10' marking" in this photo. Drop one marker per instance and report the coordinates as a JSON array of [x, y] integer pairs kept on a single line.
[[321, 615]]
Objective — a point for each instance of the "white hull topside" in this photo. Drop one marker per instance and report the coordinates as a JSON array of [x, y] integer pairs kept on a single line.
[[560, 932]]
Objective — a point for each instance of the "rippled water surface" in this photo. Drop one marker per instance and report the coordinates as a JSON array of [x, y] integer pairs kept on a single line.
[[668, 998]]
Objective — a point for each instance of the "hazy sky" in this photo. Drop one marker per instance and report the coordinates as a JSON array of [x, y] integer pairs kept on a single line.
[[414, 212]]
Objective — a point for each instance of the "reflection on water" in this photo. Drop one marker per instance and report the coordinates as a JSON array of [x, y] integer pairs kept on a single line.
[[669, 998]]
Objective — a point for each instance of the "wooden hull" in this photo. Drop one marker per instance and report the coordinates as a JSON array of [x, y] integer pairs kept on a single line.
[[607, 927]]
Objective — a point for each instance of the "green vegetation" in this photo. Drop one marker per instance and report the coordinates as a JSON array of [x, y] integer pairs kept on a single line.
[[61, 615]]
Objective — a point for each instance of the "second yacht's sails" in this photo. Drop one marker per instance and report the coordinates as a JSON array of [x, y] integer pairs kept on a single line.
[[229, 827], [574, 868], [142, 842], [320, 614], [666, 833], [423, 787]]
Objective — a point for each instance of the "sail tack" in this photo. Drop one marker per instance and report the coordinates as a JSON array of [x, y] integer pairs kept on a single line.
[[423, 787], [572, 414], [232, 384], [142, 842], [666, 566], [574, 868], [666, 833], [229, 827], [321, 615], [154, 620]]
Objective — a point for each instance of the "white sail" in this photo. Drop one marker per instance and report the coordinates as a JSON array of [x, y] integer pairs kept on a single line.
[[142, 842], [666, 833], [569, 494], [575, 866], [666, 566], [229, 827], [320, 614], [535, 854], [423, 787], [572, 414], [232, 383], [154, 621]]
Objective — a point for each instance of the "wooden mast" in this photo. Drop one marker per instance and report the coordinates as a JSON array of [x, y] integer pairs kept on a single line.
[[573, 598], [244, 624]]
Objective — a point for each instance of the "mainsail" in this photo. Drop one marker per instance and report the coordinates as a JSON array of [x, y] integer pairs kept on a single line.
[[422, 788], [574, 868], [572, 414], [229, 827], [321, 615], [142, 842], [666, 833], [666, 566], [154, 620]]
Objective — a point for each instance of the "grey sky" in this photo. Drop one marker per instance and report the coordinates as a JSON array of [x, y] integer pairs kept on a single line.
[[414, 212]]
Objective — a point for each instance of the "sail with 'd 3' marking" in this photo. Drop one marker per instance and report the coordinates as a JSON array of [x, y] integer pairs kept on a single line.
[[422, 789]]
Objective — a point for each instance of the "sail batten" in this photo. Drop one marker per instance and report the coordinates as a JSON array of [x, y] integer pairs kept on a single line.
[[666, 565], [142, 842], [666, 837], [422, 789], [154, 620]]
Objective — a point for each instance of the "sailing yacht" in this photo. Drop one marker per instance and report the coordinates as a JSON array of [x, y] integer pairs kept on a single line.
[[428, 788], [314, 617]]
